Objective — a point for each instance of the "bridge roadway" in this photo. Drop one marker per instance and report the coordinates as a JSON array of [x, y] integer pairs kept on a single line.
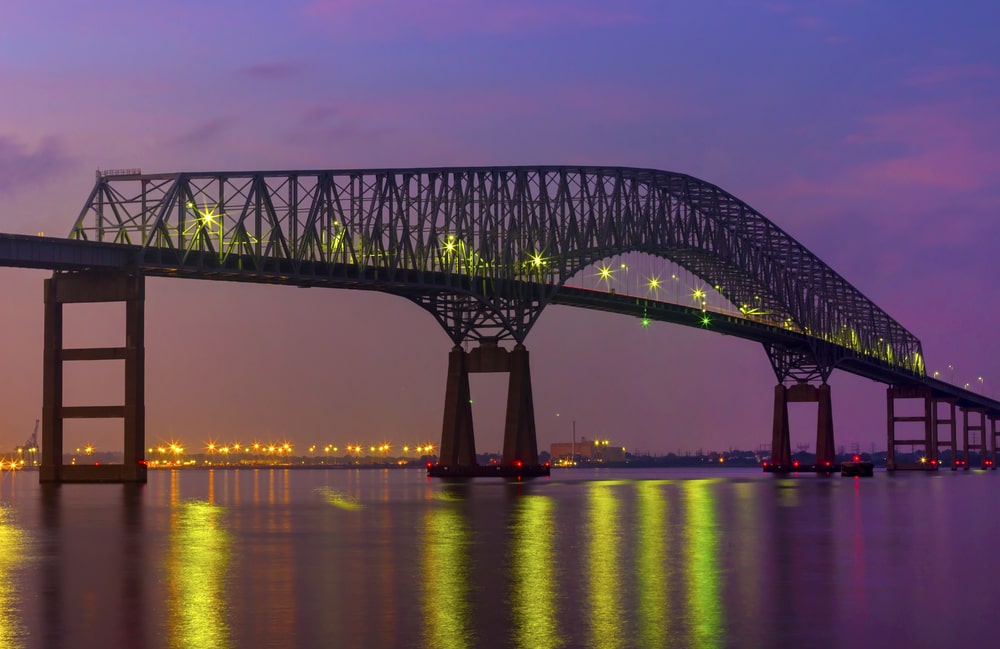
[[26, 251]]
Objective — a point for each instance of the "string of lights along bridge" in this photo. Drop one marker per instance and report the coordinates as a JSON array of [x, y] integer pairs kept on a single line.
[[483, 250]]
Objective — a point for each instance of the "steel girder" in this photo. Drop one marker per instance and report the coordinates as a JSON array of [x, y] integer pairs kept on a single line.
[[486, 248]]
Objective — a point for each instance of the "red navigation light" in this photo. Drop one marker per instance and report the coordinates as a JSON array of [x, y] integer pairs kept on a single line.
[[933, 462], [546, 465], [518, 463], [429, 464], [828, 464], [795, 463], [857, 458]]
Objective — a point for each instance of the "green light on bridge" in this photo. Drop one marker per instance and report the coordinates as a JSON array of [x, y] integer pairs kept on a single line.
[[705, 320]]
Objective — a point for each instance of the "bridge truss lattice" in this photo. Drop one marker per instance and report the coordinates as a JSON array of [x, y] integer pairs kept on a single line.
[[486, 249]]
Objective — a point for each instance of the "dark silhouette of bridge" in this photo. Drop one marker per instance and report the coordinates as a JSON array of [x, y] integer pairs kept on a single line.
[[484, 250]]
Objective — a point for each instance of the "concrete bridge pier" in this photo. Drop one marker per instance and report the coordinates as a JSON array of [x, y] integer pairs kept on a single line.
[[994, 433], [458, 443], [927, 419], [979, 442], [951, 422], [519, 439], [781, 452], [74, 288], [458, 447]]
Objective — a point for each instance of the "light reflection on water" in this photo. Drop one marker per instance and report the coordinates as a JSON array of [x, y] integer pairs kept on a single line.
[[198, 565], [603, 565], [586, 559], [446, 582], [704, 612], [532, 560], [14, 551], [651, 568]]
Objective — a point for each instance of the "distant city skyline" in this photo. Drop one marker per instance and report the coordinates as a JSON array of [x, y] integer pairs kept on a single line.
[[867, 131]]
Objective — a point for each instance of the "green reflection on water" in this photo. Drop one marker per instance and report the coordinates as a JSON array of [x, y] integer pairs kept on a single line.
[[13, 552], [652, 568], [704, 601], [602, 560], [199, 561], [534, 594], [446, 579]]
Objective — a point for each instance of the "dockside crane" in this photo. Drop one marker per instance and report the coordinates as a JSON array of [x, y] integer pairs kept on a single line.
[[32, 442]]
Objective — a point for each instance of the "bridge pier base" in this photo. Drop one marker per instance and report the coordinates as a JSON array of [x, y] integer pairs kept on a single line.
[[458, 447], [74, 288], [781, 452]]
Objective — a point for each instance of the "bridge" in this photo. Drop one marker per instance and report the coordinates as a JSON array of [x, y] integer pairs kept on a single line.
[[484, 250]]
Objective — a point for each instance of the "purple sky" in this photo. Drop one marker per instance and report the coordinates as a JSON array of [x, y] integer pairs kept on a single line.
[[866, 130]]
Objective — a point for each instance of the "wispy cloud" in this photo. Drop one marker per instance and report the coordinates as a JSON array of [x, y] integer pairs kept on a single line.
[[463, 16], [21, 166], [944, 74], [272, 71], [205, 132]]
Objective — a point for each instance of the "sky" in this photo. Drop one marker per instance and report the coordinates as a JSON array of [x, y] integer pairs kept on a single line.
[[866, 130]]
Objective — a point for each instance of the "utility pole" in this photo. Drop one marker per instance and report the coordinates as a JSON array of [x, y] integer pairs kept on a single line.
[[573, 446]]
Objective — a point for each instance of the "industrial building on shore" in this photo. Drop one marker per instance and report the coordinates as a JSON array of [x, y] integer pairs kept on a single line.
[[584, 450]]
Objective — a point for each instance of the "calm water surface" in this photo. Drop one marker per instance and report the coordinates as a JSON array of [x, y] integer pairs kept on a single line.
[[604, 559]]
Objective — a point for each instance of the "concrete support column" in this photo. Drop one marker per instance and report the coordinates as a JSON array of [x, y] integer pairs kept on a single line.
[[135, 382], [952, 438], [82, 287], [980, 428], [781, 445], [994, 432], [458, 443], [826, 454], [52, 388], [519, 441], [927, 420]]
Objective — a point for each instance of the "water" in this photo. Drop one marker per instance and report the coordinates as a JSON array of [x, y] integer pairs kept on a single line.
[[388, 558]]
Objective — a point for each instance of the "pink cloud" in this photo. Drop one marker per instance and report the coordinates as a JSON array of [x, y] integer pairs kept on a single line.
[[208, 131], [461, 16], [272, 71], [939, 75], [21, 166]]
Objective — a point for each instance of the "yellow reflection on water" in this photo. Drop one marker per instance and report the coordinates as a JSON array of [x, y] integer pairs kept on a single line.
[[602, 561], [704, 599], [13, 552], [534, 605], [446, 543], [652, 568], [199, 561]]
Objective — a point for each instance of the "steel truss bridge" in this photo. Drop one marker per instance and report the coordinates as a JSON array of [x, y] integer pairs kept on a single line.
[[484, 250]]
